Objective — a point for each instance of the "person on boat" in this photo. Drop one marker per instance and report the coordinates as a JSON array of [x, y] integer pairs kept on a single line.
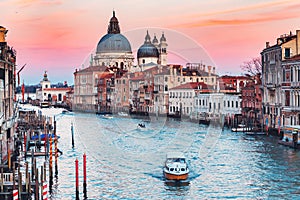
[[59, 151], [142, 125]]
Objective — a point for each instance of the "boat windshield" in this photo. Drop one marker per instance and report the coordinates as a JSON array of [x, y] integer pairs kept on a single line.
[[180, 160]]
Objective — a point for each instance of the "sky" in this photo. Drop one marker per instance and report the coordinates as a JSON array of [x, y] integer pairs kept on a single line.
[[59, 36]]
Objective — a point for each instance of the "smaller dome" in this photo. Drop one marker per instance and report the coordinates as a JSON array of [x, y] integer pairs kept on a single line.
[[147, 50]]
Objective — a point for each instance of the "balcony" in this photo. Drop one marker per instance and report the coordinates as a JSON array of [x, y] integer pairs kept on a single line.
[[295, 84], [147, 96], [271, 86]]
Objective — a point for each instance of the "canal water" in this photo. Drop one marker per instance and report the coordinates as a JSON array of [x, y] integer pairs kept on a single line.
[[124, 162]]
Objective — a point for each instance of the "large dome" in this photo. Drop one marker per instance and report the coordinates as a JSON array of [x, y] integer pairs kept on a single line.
[[147, 50], [113, 43]]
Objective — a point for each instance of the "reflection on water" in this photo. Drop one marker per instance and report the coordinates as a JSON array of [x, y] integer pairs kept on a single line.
[[124, 162]]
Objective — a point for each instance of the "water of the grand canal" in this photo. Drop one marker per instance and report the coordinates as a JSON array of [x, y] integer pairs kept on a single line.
[[126, 163]]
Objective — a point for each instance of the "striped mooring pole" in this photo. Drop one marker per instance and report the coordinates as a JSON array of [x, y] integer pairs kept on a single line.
[[15, 195]]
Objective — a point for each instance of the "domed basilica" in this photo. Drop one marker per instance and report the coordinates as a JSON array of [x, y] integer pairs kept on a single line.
[[114, 50]]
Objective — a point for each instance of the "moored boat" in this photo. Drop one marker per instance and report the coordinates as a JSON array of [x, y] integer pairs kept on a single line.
[[107, 116], [291, 136], [176, 167], [241, 128], [43, 136], [122, 114]]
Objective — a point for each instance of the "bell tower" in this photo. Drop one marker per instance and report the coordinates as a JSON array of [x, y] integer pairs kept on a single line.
[[163, 50]]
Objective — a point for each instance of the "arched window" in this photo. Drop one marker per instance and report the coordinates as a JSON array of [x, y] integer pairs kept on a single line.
[[49, 97], [59, 97]]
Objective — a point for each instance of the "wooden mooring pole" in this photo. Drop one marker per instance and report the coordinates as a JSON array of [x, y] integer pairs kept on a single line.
[[37, 184], [55, 149], [50, 167], [72, 132], [77, 179], [84, 177]]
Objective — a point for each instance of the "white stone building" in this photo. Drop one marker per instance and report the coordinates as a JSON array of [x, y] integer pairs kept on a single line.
[[46, 93]]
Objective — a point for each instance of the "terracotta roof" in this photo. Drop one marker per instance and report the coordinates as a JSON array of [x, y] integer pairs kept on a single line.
[[138, 78], [106, 75], [192, 85], [233, 77], [92, 69], [58, 89]]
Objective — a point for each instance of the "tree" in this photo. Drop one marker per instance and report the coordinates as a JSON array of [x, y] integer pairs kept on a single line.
[[253, 67]]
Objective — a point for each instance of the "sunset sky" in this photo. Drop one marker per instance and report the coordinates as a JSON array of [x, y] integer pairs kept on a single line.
[[58, 36]]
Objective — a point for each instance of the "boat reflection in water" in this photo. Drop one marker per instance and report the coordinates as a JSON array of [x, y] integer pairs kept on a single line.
[[176, 183]]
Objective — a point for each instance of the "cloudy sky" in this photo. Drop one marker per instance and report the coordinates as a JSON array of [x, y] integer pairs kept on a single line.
[[58, 36]]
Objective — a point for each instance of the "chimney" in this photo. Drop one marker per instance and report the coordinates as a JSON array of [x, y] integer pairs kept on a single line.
[[180, 70], [3, 32], [204, 68], [214, 70], [267, 44]]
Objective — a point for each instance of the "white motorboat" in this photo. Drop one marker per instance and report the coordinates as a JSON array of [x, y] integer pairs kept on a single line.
[[176, 167], [241, 128]]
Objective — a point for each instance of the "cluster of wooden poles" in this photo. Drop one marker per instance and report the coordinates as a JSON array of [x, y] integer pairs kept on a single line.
[[15, 183]]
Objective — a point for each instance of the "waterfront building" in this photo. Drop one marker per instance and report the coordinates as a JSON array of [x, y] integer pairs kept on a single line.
[[8, 108], [181, 98], [216, 103], [197, 72], [86, 88], [54, 95], [105, 85], [120, 95], [176, 75], [287, 46], [136, 96], [291, 91], [232, 83], [252, 101]]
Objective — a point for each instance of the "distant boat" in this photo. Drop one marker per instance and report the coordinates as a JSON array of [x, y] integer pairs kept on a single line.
[[123, 114], [44, 104], [176, 167], [241, 128], [291, 136], [107, 116], [141, 126]]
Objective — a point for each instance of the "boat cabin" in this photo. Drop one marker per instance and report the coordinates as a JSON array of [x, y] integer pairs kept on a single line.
[[291, 134]]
